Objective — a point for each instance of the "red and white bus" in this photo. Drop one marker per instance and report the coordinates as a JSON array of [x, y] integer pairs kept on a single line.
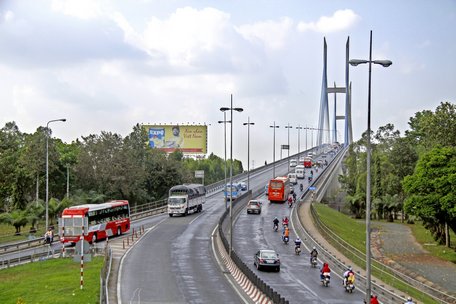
[[279, 189], [99, 220], [307, 162]]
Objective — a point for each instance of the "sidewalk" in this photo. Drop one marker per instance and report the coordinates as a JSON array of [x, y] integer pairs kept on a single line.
[[307, 221], [393, 244]]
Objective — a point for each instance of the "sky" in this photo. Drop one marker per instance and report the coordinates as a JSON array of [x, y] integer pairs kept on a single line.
[[108, 65]]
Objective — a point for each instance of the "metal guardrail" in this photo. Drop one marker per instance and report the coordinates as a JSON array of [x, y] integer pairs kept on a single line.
[[104, 276], [386, 270], [257, 281]]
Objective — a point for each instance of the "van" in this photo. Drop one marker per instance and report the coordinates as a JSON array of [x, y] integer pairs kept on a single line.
[[293, 162], [300, 172], [293, 178]]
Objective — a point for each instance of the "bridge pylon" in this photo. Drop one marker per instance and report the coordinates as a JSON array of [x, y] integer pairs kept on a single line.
[[323, 131]]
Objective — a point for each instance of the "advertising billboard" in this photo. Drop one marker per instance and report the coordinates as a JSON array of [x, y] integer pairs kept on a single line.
[[187, 138]]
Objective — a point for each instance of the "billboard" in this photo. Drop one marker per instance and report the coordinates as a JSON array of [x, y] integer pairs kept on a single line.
[[187, 138]]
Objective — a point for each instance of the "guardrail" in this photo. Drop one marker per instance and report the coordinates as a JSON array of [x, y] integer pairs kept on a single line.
[[104, 276], [346, 248], [257, 281], [385, 270]]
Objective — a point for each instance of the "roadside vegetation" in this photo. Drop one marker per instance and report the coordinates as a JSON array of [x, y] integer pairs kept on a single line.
[[100, 167], [412, 176], [51, 281], [353, 232]]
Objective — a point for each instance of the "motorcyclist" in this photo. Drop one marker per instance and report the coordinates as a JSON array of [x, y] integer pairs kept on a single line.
[[48, 236], [276, 223], [301, 187], [409, 301], [347, 273], [290, 200], [313, 254], [294, 197], [374, 300], [286, 233], [325, 271], [297, 243], [285, 221]]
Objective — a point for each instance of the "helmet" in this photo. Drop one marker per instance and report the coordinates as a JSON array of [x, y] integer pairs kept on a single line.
[[349, 268], [298, 239], [314, 248], [275, 218], [409, 298]]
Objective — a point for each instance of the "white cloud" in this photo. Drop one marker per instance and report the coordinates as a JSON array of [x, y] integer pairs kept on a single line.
[[339, 21], [186, 34], [272, 33], [83, 9], [7, 16]]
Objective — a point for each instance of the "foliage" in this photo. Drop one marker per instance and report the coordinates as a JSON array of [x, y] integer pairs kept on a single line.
[[431, 191], [99, 167]]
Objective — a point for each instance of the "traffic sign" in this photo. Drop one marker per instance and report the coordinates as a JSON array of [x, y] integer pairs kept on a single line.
[[86, 247], [312, 188]]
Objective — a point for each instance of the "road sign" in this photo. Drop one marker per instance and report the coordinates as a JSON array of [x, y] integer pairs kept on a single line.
[[199, 173], [312, 188], [86, 247], [285, 147]]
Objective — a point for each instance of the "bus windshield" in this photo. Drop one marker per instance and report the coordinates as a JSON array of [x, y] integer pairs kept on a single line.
[[275, 185]]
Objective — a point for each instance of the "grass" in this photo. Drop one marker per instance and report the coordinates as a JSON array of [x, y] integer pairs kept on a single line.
[[354, 232], [424, 237], [7, 233], [51, 281]]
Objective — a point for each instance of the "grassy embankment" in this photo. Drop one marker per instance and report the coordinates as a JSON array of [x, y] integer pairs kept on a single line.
[[7, 233], [354, 232], [51, 281]]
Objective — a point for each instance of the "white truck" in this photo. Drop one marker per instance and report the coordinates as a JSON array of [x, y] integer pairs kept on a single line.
[[185, 199], [300, 171]]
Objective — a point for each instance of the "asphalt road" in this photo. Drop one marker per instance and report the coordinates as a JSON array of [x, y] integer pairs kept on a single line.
[[296, 281]]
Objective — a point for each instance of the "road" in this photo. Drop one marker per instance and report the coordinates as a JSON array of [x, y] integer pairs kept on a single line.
[[174, 261], [296, 281]]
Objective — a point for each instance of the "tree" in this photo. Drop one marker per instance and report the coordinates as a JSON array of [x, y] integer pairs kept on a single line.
[[431, 192]]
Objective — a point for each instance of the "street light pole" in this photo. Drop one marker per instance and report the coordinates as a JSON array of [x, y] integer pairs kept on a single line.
[[273, 150], [299, 138], [47, 169], [224, 121], [248, 124], [288, 127], [384, 63], [231, 168]]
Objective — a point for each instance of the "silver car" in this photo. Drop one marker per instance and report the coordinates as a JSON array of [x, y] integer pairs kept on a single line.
[[267, 259], [254, 206]]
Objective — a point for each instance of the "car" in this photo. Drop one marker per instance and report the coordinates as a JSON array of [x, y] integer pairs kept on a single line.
[[254, 206], [243, 186], [266, 258]]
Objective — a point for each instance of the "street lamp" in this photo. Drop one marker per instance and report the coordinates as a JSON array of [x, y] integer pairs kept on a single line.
[[384, 63], [273, 150], [288, 127], [224, 121], [299, 138], [231, 168], [248, 124], [47, 169]]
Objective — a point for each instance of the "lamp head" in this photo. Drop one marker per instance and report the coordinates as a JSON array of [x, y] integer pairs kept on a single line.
[[238, 109], [384, 63], [355, 62], [223, 109]]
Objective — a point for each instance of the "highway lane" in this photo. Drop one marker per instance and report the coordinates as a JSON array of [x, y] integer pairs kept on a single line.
[[296, 281], [174, 262]]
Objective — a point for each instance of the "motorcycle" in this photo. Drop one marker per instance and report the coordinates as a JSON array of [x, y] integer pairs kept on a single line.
[[326, 279], [310, 179], [313, 262], [297, 250], [290, 204], [276, 227], [285, 239], [349, 287], [301, 187]]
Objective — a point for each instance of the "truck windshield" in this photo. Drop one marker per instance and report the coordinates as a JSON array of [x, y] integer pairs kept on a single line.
[[176, 200]]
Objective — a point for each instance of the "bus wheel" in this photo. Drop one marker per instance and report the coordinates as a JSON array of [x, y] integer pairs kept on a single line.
[[94, 238], [119, 231]]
